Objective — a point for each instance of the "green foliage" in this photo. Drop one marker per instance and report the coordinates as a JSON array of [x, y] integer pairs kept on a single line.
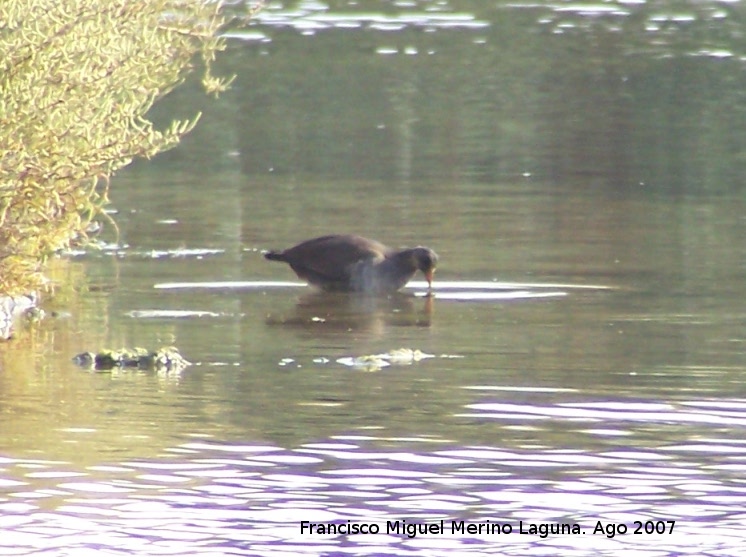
[[77, 78]]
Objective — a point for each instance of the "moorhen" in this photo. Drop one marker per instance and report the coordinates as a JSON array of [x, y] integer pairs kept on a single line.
[[356, 264]]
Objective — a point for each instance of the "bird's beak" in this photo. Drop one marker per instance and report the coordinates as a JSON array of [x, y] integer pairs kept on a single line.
[[429, 277]]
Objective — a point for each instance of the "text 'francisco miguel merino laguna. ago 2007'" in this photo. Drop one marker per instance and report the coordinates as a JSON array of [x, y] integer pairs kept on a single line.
[[461, 527]]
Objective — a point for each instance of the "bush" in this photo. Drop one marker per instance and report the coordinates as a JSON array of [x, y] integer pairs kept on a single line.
[[77, 78]]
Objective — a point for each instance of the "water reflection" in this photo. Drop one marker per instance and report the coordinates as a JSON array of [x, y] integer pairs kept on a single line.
[[311, 17], [551, 148], [321, 311], [208, 498], [607, 412], [344, 311]]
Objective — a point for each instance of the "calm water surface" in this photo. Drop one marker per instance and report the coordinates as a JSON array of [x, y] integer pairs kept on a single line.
[[586, 337]]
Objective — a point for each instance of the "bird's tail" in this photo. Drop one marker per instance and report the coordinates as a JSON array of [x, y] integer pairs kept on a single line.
[[274, 255]]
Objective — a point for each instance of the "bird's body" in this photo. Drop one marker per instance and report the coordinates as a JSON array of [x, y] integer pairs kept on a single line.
[[355, 264]]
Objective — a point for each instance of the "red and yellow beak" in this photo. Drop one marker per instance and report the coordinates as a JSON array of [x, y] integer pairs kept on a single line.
[[429, 277]]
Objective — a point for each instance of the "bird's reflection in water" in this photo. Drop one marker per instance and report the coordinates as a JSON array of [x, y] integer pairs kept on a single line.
[[336, 311]]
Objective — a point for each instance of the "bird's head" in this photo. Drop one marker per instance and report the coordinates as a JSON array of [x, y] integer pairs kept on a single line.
[[425, 260]]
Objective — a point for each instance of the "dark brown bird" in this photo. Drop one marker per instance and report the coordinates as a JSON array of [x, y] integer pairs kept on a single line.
[[356, 264]]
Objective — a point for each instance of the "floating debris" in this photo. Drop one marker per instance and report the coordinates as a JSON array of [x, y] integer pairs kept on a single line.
[[375, 362], [166, 359], [405, 356], [364, 363], [169, 314]]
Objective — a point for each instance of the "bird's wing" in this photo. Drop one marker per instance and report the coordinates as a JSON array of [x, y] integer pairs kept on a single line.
[[333, 257]]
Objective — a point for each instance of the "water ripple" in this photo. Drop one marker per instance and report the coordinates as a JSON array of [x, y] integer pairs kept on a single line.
[[607, 411], [211, 498]]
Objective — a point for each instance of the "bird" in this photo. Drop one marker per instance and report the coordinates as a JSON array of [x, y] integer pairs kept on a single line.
[[349, 263]]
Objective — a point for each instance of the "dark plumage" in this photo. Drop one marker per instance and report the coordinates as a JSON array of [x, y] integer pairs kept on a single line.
[[356, 264]]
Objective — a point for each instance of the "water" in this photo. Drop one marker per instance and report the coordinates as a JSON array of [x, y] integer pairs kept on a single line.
[[585, 347]]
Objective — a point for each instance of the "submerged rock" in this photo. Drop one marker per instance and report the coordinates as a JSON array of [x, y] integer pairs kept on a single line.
[[364, 363], [375, 362], [166, 359]]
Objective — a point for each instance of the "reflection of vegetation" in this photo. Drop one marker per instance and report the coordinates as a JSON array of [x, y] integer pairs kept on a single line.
[[76, 80], [614, 93]]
